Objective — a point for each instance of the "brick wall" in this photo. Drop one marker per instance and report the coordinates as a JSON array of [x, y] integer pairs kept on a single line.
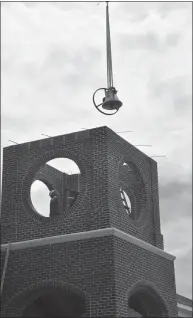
[[134, 265], [104, 269], [86, 265]]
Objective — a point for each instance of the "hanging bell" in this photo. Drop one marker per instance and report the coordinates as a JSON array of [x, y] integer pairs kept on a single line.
[[111, 100], [110, 103]]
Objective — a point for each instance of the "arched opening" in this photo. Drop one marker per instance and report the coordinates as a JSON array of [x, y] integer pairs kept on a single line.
[[56, 304], [146, 302], [55, 187]]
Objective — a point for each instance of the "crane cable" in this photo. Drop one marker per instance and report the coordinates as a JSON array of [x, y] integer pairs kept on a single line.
[[108, 46]]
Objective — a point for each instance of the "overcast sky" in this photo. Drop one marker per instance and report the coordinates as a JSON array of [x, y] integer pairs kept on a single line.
[[53, 59]]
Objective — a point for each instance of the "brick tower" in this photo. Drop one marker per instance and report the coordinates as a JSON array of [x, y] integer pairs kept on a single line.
[[101, 254]]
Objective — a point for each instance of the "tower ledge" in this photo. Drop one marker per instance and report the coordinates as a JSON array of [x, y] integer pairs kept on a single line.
[[85, 236]]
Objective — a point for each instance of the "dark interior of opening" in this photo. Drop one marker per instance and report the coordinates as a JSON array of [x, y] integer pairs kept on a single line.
[[147, 304], [56, 304]]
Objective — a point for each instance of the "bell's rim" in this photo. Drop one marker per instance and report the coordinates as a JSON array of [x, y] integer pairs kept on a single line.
[[112, 105]]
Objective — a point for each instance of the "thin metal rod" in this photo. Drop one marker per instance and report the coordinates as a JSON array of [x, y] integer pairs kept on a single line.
[[121, 132], [158, 156], [5, 266], [142, 145], [46, 135], [14, 142]]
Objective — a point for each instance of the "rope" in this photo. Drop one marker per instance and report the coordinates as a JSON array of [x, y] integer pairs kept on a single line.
[[109, 55], [5, 266]]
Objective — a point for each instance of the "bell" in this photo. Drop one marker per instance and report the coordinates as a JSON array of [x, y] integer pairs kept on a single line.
[[111, 101]]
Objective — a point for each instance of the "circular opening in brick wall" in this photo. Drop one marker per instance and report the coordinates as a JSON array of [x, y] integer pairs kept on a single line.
[[132, 192], [55, 187]]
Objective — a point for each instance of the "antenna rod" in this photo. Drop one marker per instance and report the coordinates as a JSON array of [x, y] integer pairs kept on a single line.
[[121, 132], [46, 135], [158, 156], [14, 142], [109, 55]]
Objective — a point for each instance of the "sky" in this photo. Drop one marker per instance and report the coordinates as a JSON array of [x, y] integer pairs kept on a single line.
[[53, 59]]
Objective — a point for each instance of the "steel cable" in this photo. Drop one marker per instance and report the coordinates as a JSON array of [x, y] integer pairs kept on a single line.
[[109, 55]]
